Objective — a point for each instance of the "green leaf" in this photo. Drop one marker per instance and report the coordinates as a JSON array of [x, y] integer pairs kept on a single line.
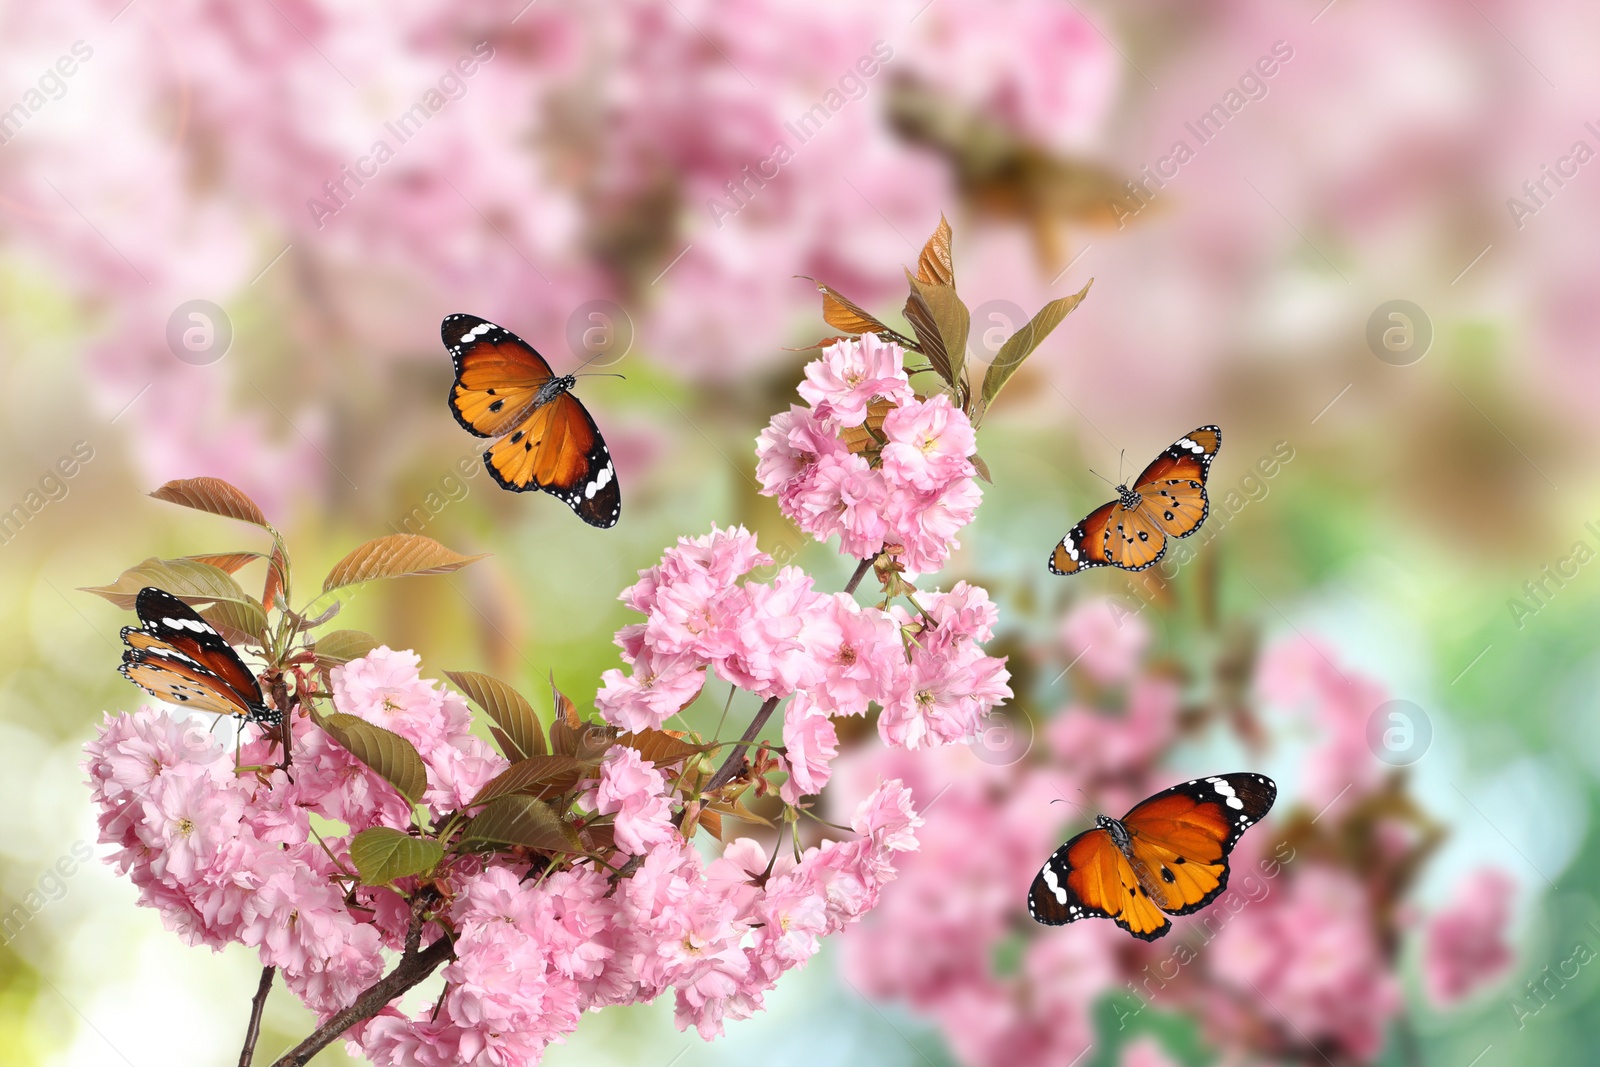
[[521, 820], [395, 556], [238, 623], [215, 496], [383, 855], [188, 579], [1020, 345], [338, 647], [538, 777], [508, 708], [389, 754]]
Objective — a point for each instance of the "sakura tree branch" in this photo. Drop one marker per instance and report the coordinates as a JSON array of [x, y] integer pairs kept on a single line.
[[411, 971], [861, 572], [257, 1006], [730, 766]]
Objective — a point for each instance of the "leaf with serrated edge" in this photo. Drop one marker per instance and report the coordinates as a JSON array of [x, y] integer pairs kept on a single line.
[[338, 647], [382, 855], [508, 708], [659, 746], [1021, 344], [842, 313], [929, 341], [951, 318], [188, 579], [520, 820], [226, 561], [395, 556], [537, 776], [391, 756], [215, 496], [936, 264]]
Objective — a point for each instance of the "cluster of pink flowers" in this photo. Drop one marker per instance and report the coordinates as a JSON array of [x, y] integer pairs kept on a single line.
[[782, 638], [226, 853], [918, 495], [1294, 932]]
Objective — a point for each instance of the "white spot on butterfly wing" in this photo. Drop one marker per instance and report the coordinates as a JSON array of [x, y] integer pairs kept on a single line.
[[188, 624], [600, 481]]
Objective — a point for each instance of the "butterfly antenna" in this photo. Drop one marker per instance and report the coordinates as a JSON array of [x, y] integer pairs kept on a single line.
[[1120, 457], [600, 374], [1102, 477]]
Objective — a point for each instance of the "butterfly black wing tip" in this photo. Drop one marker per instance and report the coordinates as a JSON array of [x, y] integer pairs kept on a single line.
[[531, 487]]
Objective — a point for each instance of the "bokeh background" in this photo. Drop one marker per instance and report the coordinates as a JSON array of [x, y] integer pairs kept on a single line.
[[602, 178]]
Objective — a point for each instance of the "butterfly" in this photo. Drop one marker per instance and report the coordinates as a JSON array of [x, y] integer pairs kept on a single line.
[[1168, 855], [176, 655], [547, 440], [1167, 500]]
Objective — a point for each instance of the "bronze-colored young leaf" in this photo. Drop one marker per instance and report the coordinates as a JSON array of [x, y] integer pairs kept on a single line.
[[1020, 345], [189, 579], [842, 313], [338, 647], [508, 708], [277, 574], [661, 747], [225, 561], [712, 821], [736, 809], [238, 623], [950, 317], [215, 496], [930, 342], [391, 756], [935, 264], [538, 777], [520, 820], [383, 855], [982, 468], [395, 556]]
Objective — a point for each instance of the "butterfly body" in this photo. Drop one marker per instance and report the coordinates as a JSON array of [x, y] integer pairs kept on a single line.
[[1168, 499], [546, 438], [1168, 856], [176, 655]]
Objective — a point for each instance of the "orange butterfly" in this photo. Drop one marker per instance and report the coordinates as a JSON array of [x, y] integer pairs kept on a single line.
[[548, 441], [1167, 500], [1168, 855], [174, 654]]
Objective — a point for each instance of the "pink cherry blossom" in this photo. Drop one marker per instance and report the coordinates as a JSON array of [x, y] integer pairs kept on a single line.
[[1465, 946], [635, 793], [850, 374]]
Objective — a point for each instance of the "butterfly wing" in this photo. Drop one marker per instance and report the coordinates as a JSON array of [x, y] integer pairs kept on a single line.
[[1084, 546], [174, 654], [1181, 837], [559, 449], [1174, 485], [498, 374], [1088, 878], [1134, 540]]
